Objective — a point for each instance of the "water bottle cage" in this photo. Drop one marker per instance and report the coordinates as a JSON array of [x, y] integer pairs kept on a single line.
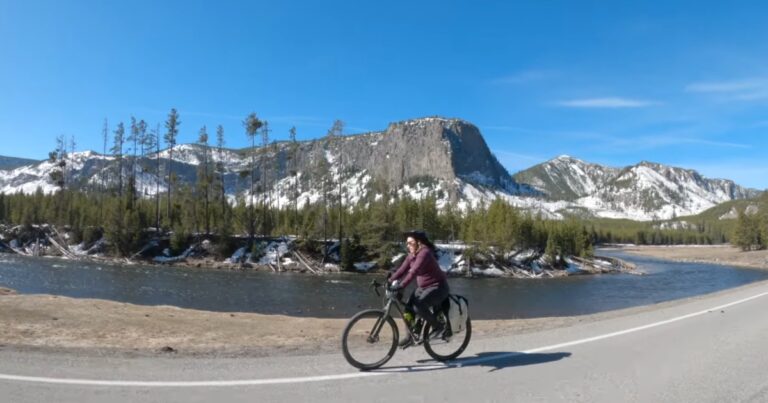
[[417, 326]]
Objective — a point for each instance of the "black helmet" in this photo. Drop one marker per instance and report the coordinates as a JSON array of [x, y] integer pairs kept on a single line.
[[418, 235], [422, 237]]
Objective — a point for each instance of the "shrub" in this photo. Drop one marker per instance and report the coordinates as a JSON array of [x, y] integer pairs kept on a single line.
[[179, 241], [91, 235]]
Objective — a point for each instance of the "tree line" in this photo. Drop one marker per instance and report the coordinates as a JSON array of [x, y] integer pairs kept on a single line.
[[751, 229], [371, 226]]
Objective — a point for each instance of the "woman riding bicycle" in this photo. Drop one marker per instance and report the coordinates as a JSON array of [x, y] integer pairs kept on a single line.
[[432, 282]]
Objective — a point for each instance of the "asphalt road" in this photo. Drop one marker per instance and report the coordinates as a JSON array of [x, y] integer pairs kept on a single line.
[[707, 349]]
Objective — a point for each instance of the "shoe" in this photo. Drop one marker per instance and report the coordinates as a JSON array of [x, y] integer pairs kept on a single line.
[[437, 332], [406, 342]]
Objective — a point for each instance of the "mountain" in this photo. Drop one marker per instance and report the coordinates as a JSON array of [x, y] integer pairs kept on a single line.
[[7, 163], [444, 158], [566, 178], [643, 191]]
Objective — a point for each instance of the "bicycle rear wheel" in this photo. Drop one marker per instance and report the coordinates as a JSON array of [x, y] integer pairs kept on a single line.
[[369, 340], [447, 348]]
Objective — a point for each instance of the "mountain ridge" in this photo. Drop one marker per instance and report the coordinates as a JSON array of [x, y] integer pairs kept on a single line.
[[446, 158], [646, 189]]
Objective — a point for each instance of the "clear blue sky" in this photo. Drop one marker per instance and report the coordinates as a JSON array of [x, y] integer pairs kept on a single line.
[[682, 83]]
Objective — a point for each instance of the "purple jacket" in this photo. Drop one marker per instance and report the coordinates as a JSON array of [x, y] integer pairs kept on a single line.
[[422, 265]]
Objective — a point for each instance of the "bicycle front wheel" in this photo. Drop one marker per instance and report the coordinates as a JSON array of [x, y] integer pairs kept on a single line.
[[369, 339], [447, 347]]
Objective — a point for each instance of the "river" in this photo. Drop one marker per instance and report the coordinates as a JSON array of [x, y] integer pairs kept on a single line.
[[341, 295]]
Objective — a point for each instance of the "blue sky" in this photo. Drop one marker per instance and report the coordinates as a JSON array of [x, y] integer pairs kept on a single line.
[[683, 83]]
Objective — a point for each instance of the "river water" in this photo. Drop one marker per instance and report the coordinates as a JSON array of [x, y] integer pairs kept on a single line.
[[341, 295]]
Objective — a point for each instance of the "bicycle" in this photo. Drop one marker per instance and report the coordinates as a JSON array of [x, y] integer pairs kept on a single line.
[[370, 338]]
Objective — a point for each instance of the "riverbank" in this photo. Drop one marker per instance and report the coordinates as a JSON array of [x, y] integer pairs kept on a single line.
[[90, 327], [717, 254], [289, 254]]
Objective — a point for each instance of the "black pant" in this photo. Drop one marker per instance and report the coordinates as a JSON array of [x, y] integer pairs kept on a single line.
[[425, 298]]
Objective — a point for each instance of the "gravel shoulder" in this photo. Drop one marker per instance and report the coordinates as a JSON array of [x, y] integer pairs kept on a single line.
[[99, 327]]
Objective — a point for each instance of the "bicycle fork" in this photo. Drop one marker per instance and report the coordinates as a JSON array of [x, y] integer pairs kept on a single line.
[[373, 337]]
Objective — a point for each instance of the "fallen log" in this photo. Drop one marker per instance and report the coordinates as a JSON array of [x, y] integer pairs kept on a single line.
[[64, 251], [20, 251], [302, 261]]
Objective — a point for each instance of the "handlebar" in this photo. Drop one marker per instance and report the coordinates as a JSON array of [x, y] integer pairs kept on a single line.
[[375, 285], [390, 292]]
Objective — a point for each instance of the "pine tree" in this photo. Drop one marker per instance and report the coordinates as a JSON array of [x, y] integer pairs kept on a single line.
[[172, 131], [204, 179], [105, 135], [117, 151], [347, 260], [326, 180], [275, 206], [295, 176], [747, 234], [334, 135], [147, 143], [134, 138], [553, 250], [252, 125], [224, 219], [265, 186], [57, 158], [3, 209], [70, 155], [156, 137]]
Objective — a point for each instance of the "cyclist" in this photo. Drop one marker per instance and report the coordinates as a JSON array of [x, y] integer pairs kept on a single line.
[[432, 283]]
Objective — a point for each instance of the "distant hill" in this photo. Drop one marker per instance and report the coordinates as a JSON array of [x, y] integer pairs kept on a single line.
[[13, 162]]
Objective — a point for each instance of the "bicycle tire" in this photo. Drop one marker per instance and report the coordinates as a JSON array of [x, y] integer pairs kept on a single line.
[[372, 317], [466, 334]]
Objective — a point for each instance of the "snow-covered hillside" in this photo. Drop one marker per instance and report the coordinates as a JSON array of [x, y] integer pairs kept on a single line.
[[447, 159], [645, 191]]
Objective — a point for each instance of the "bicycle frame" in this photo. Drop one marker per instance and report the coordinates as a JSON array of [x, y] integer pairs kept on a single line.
[[392, 300]]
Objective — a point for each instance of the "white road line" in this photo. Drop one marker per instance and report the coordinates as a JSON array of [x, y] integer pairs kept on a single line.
[[609, 335], [276, 381], [244, 382]]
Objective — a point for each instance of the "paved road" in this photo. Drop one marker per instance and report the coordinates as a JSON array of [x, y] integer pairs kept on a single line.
[[709, 349]]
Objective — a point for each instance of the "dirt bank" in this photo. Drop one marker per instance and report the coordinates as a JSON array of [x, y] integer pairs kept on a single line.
[[105, 327], [719, 254]]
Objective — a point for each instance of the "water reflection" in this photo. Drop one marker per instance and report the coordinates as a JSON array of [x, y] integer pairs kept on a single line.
[[342, 295]]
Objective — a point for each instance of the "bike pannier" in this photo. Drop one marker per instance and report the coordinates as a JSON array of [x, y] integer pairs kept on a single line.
[[458, 312]]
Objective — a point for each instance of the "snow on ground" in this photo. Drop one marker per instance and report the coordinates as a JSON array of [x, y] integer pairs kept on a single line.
[[522, 256], [364, 266], [489, 272], [274, 251]]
